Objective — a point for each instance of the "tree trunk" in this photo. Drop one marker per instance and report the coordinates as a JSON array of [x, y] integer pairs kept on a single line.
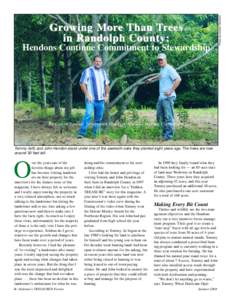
[[56, 85], [118, 115], [29, 87], [68, 85], [29, 81], [105, 57], [95, 20], [18, 88], [42, 81]]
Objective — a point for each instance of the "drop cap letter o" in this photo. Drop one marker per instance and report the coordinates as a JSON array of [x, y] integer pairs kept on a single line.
[[28, 170]]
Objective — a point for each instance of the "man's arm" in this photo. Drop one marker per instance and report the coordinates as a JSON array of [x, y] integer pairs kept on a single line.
[[85, 92], [175, 77], [176, 83], [151, 79], [107, 93]]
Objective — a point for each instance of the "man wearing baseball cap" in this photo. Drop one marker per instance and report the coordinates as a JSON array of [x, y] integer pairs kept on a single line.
[[169, 80]]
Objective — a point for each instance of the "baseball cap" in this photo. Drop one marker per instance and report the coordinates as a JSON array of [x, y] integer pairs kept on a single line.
[[161, 56]]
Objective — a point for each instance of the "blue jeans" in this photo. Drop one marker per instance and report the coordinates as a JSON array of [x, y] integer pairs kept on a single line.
[[96, 107], [165, 115]]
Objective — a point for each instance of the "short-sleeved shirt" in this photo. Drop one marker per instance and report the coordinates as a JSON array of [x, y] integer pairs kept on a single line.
[[96, 81], [166, 78]]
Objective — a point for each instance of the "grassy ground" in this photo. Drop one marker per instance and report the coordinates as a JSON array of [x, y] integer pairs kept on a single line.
[[34, 126]]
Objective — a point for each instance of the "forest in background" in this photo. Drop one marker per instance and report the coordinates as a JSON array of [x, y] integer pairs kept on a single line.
[[51, 79]]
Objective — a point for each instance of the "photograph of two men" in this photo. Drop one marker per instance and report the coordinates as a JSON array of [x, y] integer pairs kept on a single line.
[[118, 79]]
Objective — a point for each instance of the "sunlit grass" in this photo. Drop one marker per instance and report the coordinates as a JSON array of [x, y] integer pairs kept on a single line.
[[137, 124]]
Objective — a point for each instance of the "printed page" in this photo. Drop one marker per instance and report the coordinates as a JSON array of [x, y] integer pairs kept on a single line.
[[116, 134]]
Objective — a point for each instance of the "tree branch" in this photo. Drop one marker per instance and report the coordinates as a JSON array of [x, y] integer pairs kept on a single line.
[[75, 77], [197, 58], [86, 56], [110, 62], [122, 77], [129, 88], [191, 60], [142, 80], [121, 110]]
